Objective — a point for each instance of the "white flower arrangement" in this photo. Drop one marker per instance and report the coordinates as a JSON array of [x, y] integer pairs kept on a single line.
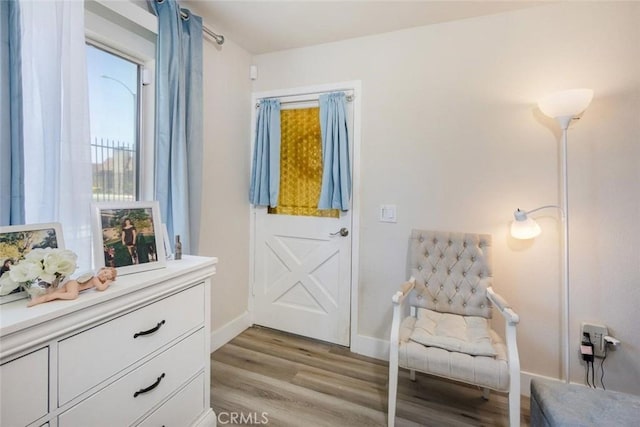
[[48, 265]]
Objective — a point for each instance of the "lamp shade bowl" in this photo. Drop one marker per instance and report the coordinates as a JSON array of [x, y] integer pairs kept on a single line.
[[524, 227], [566, 103]]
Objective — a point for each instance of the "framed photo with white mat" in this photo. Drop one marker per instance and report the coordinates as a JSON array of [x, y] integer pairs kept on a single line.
[[16, 241], [128, 236]]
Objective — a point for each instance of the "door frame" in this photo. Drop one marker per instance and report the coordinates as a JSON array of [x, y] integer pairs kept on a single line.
[[356, 87]]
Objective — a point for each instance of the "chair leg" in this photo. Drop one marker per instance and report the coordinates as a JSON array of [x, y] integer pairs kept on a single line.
[[412, 374], [393, 391], [514, 408], [485, 393]]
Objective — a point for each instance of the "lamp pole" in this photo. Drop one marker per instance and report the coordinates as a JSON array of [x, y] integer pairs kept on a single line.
[[133, 99], [565, 106], [134, 105], [128, 89], [564, 207]]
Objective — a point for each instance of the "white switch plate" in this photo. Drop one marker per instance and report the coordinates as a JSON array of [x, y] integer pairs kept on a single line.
[[388, 213]]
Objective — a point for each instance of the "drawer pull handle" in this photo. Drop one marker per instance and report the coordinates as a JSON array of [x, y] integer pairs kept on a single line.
[[150, 331], [151, 387]]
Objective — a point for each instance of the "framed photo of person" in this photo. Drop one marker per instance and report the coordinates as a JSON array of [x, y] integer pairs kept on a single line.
[[17, 241], [128, 236]]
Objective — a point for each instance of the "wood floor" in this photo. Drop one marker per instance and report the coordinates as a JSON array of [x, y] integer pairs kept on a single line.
[[265, 375]]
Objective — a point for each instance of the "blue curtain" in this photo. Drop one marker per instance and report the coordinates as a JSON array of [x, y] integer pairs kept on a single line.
[[178, 145], [265, 170], [335, 192], [11, 148]]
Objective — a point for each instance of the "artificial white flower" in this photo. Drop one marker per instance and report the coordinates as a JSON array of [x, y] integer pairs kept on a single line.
[[61, 262], [25, 271], [37, 255], [7, 285], [39, 265]]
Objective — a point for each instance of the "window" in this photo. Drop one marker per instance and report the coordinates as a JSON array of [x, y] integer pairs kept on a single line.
[[121, 49], [301, 164], [114, 84]]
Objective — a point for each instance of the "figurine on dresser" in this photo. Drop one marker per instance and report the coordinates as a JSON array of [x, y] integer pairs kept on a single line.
[[71, 288]]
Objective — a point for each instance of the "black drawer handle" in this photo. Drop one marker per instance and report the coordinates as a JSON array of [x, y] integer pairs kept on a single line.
[[151, 387], [150, 331]]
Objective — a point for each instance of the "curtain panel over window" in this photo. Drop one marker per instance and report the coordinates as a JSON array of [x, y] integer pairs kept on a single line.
[[57, 174], [335, 190], [265, 170], [11, 148], [336, 167], [178, 144]]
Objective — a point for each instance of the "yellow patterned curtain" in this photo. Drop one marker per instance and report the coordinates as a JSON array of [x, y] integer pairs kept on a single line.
[[301, 164]]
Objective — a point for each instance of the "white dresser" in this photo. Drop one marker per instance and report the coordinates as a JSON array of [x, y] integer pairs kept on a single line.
[[135, 354]]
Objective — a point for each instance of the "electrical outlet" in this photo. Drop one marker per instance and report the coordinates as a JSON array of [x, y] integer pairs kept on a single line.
[[597, 334]]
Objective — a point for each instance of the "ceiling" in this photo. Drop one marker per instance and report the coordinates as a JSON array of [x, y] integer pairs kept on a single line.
[[268, 26]]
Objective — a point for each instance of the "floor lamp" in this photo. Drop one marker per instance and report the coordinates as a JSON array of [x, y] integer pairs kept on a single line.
[[564, 107]]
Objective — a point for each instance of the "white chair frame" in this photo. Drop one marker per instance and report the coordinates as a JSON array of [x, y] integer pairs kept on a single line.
[[511, 320]]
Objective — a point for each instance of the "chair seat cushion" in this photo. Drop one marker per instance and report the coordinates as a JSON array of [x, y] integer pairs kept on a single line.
[[484, 371], [453, 332]]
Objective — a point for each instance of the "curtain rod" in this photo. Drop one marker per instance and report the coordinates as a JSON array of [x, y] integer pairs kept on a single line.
[[219, 38], [349, 98]]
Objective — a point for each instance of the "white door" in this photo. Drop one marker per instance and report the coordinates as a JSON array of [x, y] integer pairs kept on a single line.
[[303, 275], [302, 267]]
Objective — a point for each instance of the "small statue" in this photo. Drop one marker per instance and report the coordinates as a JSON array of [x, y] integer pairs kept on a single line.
[[71, 288]]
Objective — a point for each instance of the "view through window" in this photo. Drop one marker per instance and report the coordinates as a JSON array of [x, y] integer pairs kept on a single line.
[[114, 115]]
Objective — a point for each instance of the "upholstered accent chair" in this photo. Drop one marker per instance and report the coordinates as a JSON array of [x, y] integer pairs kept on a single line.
[[447, 332]]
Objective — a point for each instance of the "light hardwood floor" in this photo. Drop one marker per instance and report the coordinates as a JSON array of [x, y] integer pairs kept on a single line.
[[297, 381]]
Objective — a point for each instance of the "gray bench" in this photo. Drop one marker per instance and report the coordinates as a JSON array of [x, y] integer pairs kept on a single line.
[[572, 405]]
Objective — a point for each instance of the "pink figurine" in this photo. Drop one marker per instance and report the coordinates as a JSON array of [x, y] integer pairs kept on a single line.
[[70, 289]]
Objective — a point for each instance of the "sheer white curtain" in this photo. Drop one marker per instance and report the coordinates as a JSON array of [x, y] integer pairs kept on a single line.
[[56, 120]]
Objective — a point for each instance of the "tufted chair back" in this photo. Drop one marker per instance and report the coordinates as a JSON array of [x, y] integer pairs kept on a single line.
[[452, 272]]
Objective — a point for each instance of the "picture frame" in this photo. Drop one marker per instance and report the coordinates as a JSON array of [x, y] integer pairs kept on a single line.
[[167, 242], [16, 241], [128, 236]]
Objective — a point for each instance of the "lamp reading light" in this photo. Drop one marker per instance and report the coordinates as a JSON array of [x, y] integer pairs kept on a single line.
[[524, 227]]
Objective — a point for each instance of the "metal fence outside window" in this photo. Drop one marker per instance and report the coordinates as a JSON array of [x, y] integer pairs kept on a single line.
[[114, 170]]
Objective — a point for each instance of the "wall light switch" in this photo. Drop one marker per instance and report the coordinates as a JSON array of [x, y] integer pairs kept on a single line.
[[388, 213]]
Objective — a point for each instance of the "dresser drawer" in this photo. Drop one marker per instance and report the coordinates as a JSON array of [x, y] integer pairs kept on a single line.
[[86, 359], [116, 405], [24, 389], [182, 409]]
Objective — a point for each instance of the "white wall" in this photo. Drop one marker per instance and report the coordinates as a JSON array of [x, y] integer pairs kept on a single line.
[[452, 136], [225, 206]]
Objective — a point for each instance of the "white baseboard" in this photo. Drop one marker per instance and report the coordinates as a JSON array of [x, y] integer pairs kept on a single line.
[[525, 381], [208, 419], [379, 349], [369, 346], [229, 331]]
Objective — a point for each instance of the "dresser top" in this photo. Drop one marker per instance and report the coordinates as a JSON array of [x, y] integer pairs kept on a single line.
[[16, 316]]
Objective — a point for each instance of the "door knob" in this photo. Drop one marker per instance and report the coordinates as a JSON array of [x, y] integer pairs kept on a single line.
[[343, 232]]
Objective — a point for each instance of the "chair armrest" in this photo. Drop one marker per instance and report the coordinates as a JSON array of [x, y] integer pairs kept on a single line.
[[398, 301], [398, 297], [503, 306], [511, 321]]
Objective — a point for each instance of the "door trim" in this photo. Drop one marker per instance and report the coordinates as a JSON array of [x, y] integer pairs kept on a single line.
[[356, 87]]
